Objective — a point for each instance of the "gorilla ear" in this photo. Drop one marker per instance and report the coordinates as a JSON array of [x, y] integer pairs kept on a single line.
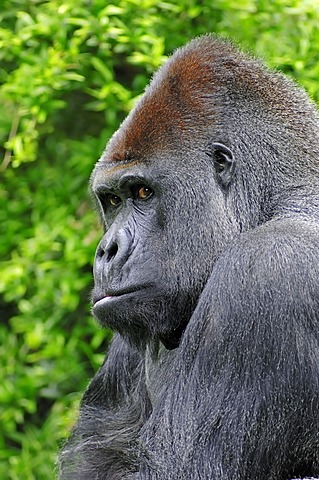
[[224, 162]]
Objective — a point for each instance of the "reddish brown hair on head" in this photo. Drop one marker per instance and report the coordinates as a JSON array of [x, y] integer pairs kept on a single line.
[[209, 85]]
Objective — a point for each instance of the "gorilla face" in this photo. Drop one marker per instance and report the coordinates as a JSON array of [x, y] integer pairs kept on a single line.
[[147, 266]]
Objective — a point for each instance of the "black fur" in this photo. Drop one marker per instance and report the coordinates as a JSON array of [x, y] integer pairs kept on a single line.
[[209, 272]]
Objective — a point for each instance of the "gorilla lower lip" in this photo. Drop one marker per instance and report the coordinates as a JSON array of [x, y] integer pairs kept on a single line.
[[104, 299], [100, 306], [108, 298], [99, 300]]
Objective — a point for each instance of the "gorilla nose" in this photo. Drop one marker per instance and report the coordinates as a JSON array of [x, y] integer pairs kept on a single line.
[[114, 250]]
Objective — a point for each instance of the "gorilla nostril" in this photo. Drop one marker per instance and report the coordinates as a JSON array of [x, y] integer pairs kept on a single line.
[[100, 253], [112, 251]]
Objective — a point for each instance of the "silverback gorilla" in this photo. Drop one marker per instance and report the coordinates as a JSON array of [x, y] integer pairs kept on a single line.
[[208, 271]]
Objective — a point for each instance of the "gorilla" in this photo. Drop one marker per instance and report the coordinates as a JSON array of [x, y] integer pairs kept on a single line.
[[208, 272]]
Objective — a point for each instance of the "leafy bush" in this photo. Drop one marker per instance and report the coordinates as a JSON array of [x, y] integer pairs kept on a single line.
[[70, 70]]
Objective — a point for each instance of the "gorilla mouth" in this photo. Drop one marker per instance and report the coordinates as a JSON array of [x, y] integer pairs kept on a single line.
[[108, 296], [103, 302]]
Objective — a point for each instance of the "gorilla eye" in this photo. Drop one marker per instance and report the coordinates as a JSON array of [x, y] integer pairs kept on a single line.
[[113, 200], [142, 192]]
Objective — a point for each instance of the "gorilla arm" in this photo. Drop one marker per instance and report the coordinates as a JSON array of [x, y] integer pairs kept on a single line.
[[243, 400], [112, 412]]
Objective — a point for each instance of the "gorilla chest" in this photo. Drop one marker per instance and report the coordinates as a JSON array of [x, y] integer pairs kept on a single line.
[[157, 371]]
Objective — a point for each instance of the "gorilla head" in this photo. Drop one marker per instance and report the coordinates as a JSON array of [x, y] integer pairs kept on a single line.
[[207, 152]]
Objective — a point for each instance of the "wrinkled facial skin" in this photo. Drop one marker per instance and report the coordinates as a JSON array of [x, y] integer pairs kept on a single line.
[[149, 271]]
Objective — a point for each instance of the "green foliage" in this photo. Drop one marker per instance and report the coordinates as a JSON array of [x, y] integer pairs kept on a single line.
[[70, 70]]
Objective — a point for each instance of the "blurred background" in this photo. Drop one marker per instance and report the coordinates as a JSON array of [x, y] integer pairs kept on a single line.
[[70, 71]]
